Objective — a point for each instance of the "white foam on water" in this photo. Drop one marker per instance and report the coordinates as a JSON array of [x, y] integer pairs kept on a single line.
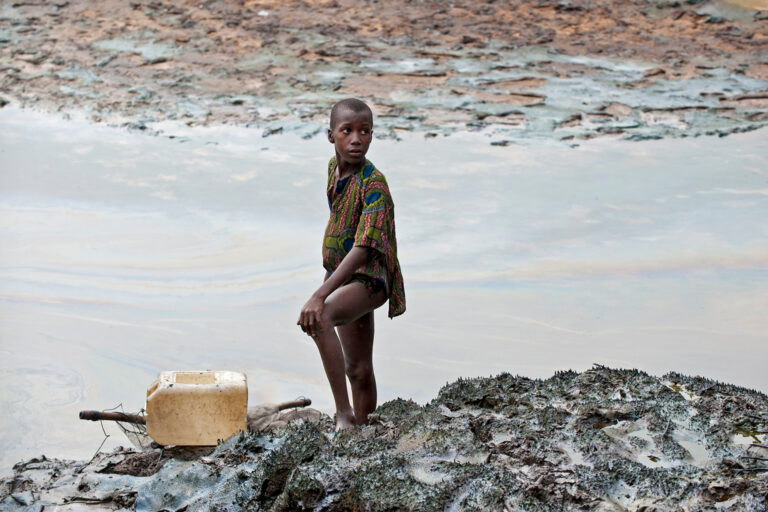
[[693, 444], [649, 455], [743, 440], [423, 472], [689, 395], [500, 437], [622, 493], [575, 455]]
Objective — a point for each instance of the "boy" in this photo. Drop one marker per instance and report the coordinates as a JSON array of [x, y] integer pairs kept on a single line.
[[360, 258]]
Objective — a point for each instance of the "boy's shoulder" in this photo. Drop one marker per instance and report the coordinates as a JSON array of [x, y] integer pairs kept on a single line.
[[370, 174]]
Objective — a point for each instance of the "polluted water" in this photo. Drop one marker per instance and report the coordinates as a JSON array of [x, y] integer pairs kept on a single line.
[[126, 254]]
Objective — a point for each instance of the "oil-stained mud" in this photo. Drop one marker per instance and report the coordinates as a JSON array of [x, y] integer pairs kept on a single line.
[[517, 69], [599, 440]]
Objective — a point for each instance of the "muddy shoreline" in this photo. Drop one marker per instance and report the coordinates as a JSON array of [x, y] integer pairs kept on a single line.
[[603, 440], [568, 69]]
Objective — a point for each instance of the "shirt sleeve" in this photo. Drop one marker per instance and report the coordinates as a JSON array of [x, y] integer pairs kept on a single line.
[[376, 218]]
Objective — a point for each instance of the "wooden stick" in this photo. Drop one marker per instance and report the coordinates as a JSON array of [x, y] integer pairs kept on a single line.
[[301, 402], [113, 416]]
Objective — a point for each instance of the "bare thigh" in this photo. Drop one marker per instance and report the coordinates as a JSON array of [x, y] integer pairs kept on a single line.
[[350, 302]]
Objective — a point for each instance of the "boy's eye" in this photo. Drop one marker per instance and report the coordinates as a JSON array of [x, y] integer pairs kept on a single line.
[[364, 131], [345, 130]]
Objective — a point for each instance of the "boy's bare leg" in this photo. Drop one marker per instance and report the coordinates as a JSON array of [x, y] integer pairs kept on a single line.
[[333, 363], [357, 341], [344, 305]]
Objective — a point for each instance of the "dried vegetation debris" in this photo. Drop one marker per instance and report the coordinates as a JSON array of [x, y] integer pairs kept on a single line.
[[543, 68], [576, 441]]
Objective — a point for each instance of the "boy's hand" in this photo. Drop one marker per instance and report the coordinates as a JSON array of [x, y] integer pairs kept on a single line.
[[309, 318]]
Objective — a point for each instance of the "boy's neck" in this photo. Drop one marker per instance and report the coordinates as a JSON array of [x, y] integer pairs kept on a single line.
[[346, 169]]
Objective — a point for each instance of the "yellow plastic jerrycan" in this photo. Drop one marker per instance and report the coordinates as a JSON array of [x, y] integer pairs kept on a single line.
[[196, 408]]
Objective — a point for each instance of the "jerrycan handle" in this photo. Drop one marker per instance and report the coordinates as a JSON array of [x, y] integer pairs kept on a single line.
[[301, 402], [113, 416]]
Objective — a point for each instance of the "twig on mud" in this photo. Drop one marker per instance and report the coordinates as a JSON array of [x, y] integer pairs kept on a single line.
[[106, 436], [753, 458]]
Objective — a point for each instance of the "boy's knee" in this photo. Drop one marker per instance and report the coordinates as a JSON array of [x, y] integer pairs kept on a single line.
[[323, 325], [326, 319], [359, 373]]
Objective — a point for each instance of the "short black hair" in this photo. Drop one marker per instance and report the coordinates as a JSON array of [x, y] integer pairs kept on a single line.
[[352, 104]]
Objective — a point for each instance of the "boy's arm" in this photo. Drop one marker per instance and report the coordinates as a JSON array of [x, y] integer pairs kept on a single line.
[[351, 262], [310, 313]]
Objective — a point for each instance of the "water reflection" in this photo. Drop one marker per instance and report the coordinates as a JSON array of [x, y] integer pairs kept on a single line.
[[126, 254]]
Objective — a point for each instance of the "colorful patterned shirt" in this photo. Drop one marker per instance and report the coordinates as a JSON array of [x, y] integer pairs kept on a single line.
[[363, 214]]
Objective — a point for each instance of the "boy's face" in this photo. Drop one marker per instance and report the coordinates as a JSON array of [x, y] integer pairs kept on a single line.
[[351, 136]]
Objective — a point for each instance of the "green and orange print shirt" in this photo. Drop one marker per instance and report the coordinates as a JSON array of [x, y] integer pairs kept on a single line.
[[363, 214]]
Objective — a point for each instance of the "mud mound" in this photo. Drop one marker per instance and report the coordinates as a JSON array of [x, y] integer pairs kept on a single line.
[[576, 441]]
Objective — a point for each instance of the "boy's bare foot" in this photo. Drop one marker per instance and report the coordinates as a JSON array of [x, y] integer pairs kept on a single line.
[[344, 421]]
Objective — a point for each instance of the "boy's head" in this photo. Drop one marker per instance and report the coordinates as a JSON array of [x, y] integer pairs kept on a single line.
[[351, 131], [350, 105]]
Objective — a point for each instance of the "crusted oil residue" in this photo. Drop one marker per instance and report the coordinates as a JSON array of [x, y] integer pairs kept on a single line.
[[496, 443]]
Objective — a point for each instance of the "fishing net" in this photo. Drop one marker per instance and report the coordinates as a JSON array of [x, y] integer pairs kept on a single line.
[[135, 432]]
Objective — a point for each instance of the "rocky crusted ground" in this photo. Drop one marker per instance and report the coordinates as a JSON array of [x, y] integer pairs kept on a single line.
[[535, 68], [599, 440]]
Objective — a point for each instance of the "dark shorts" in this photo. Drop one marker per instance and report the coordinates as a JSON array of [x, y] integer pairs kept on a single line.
[[373, 284]]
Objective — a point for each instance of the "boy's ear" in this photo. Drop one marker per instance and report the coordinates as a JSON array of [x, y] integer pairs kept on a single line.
[[330, 136]]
